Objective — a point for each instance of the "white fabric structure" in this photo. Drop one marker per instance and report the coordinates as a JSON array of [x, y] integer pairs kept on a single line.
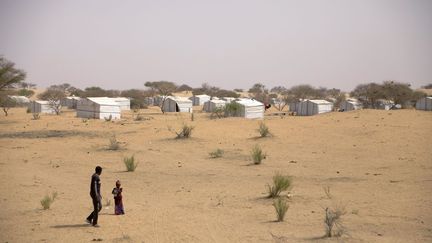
[[424, 104], [212, 105], [251, 109], [313, 107], [199, 99], [20, 100], [41, 106], [98, 108], [384, 104], [70, 102], [123, 102], [350, 104], [177, 104], [228, 99]]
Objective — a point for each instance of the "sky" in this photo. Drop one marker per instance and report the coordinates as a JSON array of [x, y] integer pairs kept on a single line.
[[225, 43]]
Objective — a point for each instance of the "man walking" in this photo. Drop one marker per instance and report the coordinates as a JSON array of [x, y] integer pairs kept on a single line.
[[96, 196]]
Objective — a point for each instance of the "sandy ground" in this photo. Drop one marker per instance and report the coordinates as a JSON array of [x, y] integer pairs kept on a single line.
[[378, 164]]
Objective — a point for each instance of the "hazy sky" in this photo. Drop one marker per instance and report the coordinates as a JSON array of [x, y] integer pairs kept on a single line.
[[229, 44]]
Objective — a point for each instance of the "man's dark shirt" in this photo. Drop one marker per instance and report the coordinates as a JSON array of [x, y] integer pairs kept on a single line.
[[95, 185]]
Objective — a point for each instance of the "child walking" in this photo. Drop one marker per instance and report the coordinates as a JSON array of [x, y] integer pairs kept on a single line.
[[117, 191]]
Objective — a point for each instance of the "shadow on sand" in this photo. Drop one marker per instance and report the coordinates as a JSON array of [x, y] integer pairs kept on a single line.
[[70, 226]]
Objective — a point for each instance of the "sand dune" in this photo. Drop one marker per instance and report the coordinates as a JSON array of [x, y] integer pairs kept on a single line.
[[377, 163]]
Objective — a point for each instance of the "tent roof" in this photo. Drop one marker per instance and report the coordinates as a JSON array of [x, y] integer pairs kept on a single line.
[[180, 99], [121, 99], [103, 101], [202, 96], [217, 101], [42, 102], [320, 102], [249, 102]]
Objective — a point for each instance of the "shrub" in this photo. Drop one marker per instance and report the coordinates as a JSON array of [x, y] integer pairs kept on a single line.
[[130, 163], [48, 200], [327, 192], [257, 155], [36, 116], [28, 110], [232, 109], [281, 207], [113, 143], [216, 154], [192, 117], [185, 132], [108, 118], [333, 217], [280, 183], [263, 130]]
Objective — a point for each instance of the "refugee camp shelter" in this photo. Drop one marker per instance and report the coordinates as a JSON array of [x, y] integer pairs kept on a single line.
[[177, 104], [123, 102], [293, 106], [199, 99], [98, 108], [41, 106], [350, 104], [424, 104], [314, 107], [384, 104], [213, 104], [70, 102], [20, 100], [250, 108], [228, 99]]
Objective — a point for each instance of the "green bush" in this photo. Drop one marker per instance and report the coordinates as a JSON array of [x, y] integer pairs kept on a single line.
[[48, 200], [216, 154], [257, 155], [280, 183], [281, 206], [130, 163], [233, 109], [185, 132], [263, 130]]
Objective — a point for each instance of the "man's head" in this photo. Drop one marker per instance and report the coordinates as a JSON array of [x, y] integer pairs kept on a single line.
[[98, 170]]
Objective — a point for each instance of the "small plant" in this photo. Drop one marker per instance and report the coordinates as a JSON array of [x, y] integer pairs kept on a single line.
[[192, 117], [28, 110], [280, 183], [130, 163], [216, 154], [281, 206], [333, 217], [113, 143], [139, 117], [257, 155], [108, 118], [48, 200], [135, 109], [232, 109], [36, 116], [263, 130], [327, 192], [185, 132]]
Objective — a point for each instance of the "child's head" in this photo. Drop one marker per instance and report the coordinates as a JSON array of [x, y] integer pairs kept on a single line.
[[118, 184]]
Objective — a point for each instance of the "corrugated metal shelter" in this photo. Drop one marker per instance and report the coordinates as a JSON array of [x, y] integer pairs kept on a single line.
[[20, 100], [98, 108], [424, 104], [177, 104], [70, 102], [251, 109], [41, 106], [314, 107], [123, 102], [293, 106], [199, 99], [350, 104], [212, 105]]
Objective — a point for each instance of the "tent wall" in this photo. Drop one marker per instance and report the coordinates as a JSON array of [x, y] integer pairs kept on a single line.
[[124, 103], [212, 105], [90, 109], [424, 104], [37, 107], [174, 105], [309, 108], [350, 105], [199, 99]]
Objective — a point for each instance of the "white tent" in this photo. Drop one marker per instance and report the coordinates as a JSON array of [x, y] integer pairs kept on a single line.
[[212, 105], [123, 102], [228, 99], [313, 107], [199, 99], [177, 104], [350, 104], [251, 109], [424, 104], [70, 102], [384, 104], [41, 106], [98, 108], [20, 100]]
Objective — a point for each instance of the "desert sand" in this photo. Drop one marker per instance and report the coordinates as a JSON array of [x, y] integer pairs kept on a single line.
[[378, 164]]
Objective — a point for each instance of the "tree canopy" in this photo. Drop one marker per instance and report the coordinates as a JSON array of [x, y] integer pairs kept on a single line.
[[9, 75]]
